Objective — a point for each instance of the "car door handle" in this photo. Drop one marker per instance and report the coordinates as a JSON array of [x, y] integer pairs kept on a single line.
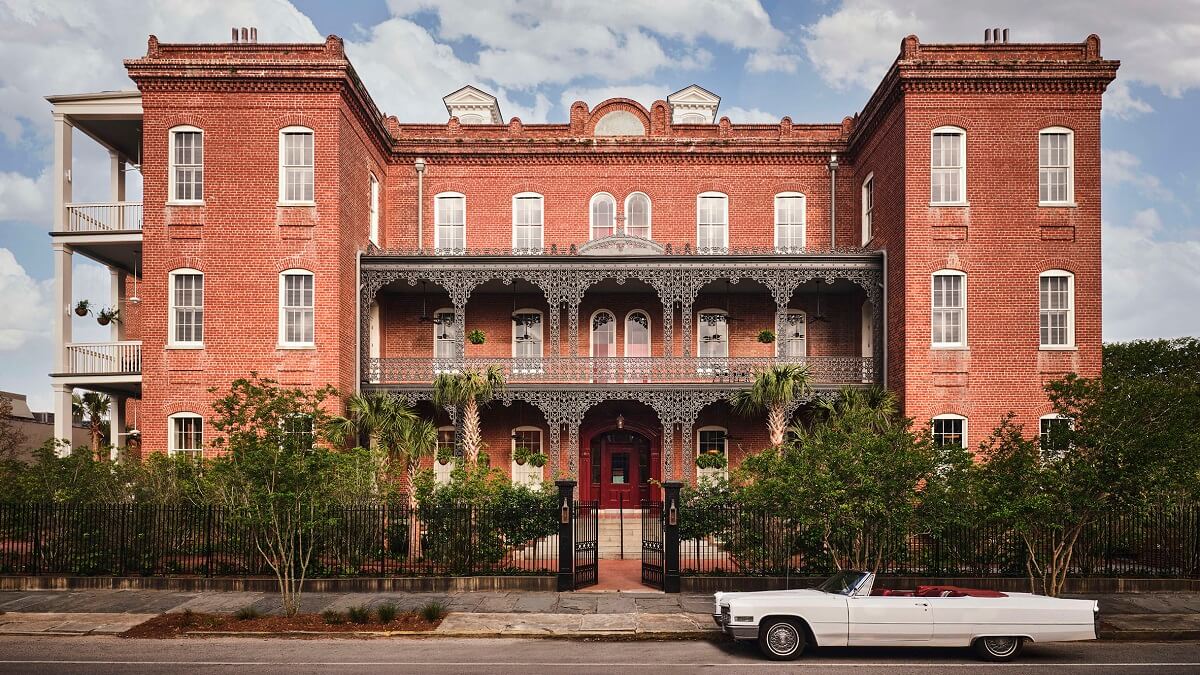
[[922, 604]]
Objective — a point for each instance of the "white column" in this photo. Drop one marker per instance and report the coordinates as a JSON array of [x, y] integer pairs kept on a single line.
[[62, 305], [116, 426], [117, 299], [62, 171], [116, 177], [62, 416]]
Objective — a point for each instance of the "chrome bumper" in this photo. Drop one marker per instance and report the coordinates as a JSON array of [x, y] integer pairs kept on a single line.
[[737, 632]]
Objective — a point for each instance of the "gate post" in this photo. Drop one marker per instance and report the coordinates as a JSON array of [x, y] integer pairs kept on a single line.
[[671, 536], [566, 535]]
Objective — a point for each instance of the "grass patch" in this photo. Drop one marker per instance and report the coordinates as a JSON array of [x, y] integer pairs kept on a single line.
[[432, 611], [387, 612], [247, 614], [333, 618], [359, 614]]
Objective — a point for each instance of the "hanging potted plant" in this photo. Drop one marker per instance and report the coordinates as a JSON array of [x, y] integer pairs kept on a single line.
[[83, 307], [521, 455], [444, 456], [537, 460], [108, 314], [766, 336], [711, 460], [477, 337]]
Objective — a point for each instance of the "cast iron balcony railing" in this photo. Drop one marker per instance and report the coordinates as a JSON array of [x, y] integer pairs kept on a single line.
[[104, 358], [823, 370], [104, 217], [566, 250]]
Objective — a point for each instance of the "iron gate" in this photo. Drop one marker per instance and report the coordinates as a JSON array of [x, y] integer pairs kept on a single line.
[[587, 550], [652, 544]]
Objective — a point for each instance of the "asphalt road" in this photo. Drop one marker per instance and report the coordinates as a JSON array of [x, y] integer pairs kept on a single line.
[[44, 654]]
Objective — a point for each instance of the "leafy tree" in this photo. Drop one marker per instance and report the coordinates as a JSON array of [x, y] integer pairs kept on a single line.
[[468, 390], [379, 416], [877, 406], [273, 481], [75, 476], [773, 390], [94, 406], [12, 439]]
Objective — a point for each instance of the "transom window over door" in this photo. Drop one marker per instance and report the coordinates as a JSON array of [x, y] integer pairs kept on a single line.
[[948, 166], [187, 164], [712, 334], [789, 221], [949, 309], [712, 222], [296, 165], [603, 215], [1055, 166], [450, 222], [296, 309], [187, 309], [527, 222], [793, 342], [1056, 301], [637, 215]]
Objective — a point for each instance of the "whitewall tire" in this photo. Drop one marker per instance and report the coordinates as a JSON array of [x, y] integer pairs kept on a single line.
[[782, 639], [999, 648]]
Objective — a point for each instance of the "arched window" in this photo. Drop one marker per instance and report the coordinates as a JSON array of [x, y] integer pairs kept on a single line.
[[637, 333], [186, 316], [637, 215], [373, 215], [444, 333], [297, 309], [948, 166], [712, 222], [949, 308], [792, 342], [450, 222], [1056, 167], [185, 434], [603, 216], [789, 221], [604, 334], [1056, 309], [447, 449], [527, 222], [868, 209], [186, 161], [529, 439], [949, 429], [296, 162], [527, 340], [712, 440], [712, 333]]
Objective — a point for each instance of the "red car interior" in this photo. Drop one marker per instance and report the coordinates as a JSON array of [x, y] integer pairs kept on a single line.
[[940, 592]]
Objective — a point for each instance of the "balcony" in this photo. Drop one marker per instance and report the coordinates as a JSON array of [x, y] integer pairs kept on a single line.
[[824, 371], [107, 217]]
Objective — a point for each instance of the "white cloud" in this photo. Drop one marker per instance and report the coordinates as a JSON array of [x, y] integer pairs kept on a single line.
[[749, 116], [26, 314], [1144, 280], [23, 198], [1122, 167], [854, 44], [1119, 102]]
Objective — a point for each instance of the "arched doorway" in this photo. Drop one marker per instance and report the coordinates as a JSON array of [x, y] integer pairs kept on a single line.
[[618, 468]]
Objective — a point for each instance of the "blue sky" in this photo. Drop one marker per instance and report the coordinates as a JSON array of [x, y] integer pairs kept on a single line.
[[815, 62]]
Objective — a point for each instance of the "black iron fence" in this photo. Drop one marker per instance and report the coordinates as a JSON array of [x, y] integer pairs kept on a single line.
[[1163, 542], [372, 540]]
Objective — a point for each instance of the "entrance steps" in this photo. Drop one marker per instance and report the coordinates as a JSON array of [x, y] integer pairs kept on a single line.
[[613, 524]]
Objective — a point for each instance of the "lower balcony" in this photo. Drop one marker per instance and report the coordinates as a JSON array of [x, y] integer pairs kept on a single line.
[[113, 367], [824, 371]]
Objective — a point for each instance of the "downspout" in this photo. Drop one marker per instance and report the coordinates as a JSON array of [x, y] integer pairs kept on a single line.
[[419, 165], [358, 323], [833, 167]]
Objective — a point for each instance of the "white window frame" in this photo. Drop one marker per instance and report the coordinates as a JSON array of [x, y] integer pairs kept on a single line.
[[1070, 167], [803, 221], [701, 366], [373, 206], [713, 473], [962, 166], [284, 343], [725, 229], [951, 416], [439, 223], [173, 197], [172, 343], [962, 343], [283, 200], [1070, 311], [649, 214], [784, 323], [527, 474], [541, 225], [437, 340], [649, 329], [868, 208], [592, 331], [441, 472], [612, 202], [172, 448], [532, 363]]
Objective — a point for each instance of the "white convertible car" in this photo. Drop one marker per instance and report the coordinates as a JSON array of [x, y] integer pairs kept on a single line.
[[846, 610]]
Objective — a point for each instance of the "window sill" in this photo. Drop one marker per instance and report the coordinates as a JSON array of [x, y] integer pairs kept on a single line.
[[296, 346], [950, 348], [184, 202], [184, 346], [287, 204], [1058, 348], [950, 204], [1057, 205]]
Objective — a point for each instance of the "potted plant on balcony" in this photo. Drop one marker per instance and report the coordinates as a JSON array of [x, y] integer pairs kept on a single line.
[[521, 455], [711, 460], [444, 455], [83, 307], [108, 314], [537, 459], [766, 336], [477, 337]]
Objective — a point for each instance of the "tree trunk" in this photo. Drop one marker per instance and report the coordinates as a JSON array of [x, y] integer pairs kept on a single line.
[[776, 423], [414, 524], [471, 435]]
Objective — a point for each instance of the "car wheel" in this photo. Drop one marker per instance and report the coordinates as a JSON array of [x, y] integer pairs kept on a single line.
[[999, 648], [781, 639]]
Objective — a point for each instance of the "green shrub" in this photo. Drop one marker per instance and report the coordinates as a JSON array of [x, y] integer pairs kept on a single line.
[[247, 613], [359, 614], [387, 612], [432, 611], [333, 618]]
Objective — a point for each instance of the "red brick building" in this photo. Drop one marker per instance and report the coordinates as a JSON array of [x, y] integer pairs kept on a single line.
[[623, 267]]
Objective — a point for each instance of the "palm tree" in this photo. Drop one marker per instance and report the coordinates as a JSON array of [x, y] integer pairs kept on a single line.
[[94, 406], [467, 390], [773, 390], [876, 406]]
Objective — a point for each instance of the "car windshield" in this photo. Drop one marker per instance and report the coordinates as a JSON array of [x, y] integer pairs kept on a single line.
[[842, 583]]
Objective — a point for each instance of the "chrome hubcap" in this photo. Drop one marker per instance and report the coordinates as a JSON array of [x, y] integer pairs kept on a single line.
[[783, 639], [1000, 646]]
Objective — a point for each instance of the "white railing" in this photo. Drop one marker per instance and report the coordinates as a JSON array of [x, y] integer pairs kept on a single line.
[[105, 358], [104, 217]]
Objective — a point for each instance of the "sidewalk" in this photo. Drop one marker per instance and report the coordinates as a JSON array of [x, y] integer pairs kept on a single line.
[[1159, 616]]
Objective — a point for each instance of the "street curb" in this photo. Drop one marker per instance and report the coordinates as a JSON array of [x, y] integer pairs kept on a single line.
[[1150, 635], [611, 636]]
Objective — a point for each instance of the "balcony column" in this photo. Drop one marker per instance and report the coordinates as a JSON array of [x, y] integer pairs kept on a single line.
[[117, 298], [573, 326], [668, 448], [552, 460], [685, 316], [63, 427], [62, 306], [555, 321], [116, 173], [687, 458], [668, 328], [460, 327], [62, 171], [116, 426]]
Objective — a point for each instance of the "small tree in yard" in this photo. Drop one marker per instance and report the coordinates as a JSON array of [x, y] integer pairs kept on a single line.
[[95, 406], [271, 478], [1129, 440], [772, 391], [12, 439], [468, 390]]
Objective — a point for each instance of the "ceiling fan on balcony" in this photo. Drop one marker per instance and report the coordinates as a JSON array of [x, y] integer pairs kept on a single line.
[[425, 318], [818, 316], [519, 319]]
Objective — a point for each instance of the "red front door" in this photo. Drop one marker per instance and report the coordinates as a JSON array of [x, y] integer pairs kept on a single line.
[[619, 477]]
